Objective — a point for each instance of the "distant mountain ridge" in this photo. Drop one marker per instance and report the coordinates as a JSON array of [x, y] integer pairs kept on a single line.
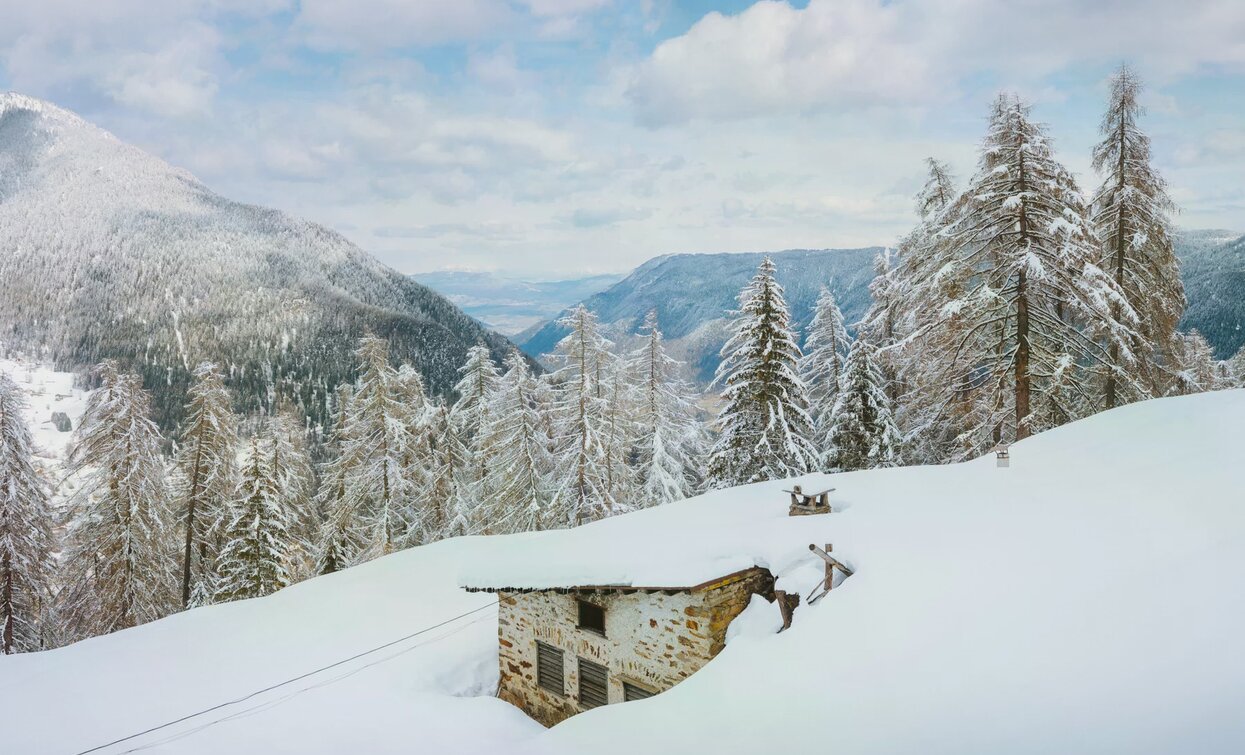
[[108, 252], [694, 293], [510, 304]]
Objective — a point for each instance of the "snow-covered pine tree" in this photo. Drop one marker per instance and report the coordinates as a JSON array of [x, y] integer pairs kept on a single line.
[[409, 386], [337, 541], [448, 491], [620, 434], [290, 461], [1130, 215], [582, 491], [863, 432], [670, 439], [821, 367], [764, 422], [369, 508], [258, 539], [1021, 239], [119, 562], [475, 389], [1236, 369], [522, 467], [207, 476], [26, 538]]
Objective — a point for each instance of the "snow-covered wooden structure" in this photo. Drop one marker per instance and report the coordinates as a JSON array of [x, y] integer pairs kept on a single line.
[[566, 649]]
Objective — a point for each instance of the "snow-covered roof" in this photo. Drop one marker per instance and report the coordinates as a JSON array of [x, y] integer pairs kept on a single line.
[[682, 545]]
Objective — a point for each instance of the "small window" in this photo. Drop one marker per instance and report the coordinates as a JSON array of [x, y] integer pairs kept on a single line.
[[593, 684], [632, 692], [549, 669], [592, 617]]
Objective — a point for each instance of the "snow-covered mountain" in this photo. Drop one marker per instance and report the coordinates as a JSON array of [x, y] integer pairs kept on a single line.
[[1082, 600], [694, 293], [106, 251], [511, 304]]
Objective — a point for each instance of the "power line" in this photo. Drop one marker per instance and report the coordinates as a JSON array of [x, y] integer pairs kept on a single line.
[[278, 685]]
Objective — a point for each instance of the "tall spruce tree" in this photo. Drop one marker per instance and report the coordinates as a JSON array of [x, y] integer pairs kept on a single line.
[[582, 492], [1130, 216], [520, 475], [863, 432], [670, 441], [118, 561], [290, 461], [821, 367], [207, 476], [26, 538], [259, 539], [765, 425]]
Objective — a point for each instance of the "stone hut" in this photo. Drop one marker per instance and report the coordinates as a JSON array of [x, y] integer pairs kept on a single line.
[[565, 650]]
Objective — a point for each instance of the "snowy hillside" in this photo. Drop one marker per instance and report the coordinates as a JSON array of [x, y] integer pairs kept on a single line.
[[1082, 600], [110, 252], [1213, 269]]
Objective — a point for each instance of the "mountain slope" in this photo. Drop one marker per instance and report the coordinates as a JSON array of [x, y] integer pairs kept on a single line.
[[106, 251], [693, 294], [1079, 601], [1212, 264], [508, 304]]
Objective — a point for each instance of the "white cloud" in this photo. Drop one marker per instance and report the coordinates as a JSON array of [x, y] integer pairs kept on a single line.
[[368, 24], [840, 55]]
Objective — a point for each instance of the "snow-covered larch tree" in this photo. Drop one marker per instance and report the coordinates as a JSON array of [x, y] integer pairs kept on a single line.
[[582, 492], [259, 540], [290, 461], [863, 432], [821, 367], [1196, 368], [449, 508], [369, 504], [26, 538], [337, 540], [475, 389], [764, 421], [207, 476], [520, 474], [119, 562], [1130, 216], [670, 439], [1021, 241]]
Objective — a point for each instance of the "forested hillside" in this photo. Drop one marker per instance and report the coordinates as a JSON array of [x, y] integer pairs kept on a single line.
[[108, 252], [1213, 269]]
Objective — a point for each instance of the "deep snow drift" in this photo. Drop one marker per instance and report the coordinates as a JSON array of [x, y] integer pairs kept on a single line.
[[1084, 600]]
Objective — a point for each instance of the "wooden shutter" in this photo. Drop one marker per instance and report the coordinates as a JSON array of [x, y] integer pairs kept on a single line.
[[593, 684], [632, 692], [549, 669]]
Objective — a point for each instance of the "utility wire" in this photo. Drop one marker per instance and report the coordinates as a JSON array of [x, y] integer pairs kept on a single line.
[[269, 688]]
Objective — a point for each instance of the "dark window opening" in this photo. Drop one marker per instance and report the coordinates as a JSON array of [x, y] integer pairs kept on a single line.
[[632, 692], [592, 617], [593, 684], [549, 669]]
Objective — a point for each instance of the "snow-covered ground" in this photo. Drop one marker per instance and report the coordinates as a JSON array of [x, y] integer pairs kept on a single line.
[[1086, 599]]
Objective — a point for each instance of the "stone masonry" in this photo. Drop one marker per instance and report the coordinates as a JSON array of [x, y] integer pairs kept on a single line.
[[653, 639]]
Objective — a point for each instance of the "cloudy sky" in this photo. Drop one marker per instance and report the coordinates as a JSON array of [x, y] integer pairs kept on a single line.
[[559, 137]]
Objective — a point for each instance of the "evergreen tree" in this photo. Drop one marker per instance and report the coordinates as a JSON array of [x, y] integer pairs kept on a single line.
[[337, 542], [369, 502], [863, 434], [821, 367], [1236, 369], [451, 510], [521, 470], [670, 442], [26, 539], [118, 563], [414, 399], [764, 420], [619, 437], [258, 539], [1021, 249], [582, 492], [475, 389], [1130, 216], [1196, 368], [290, 461], [207, 476]]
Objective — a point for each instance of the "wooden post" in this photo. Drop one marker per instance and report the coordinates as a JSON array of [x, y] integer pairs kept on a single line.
[[829, 569]]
